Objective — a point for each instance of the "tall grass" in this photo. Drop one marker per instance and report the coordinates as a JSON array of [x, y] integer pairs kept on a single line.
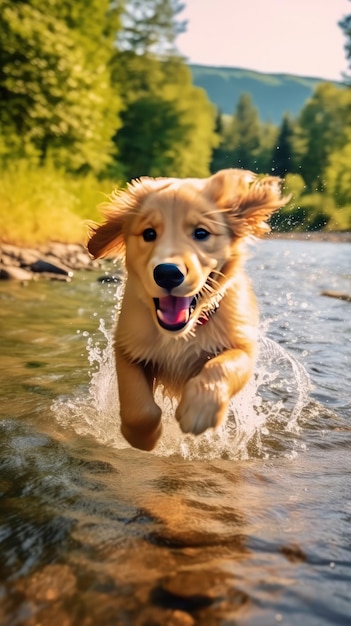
[[41, 204]]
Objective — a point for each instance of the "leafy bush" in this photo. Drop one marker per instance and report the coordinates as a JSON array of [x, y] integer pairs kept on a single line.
[[38, 204], [310, 211]]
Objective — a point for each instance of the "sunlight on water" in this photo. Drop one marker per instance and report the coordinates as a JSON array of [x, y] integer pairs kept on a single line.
[[273, 399]]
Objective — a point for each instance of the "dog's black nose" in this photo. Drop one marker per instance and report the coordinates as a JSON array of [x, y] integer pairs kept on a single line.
[[168, 276]]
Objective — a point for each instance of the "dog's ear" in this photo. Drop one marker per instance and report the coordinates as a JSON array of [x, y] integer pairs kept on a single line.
[[247, 199], [109, 238]]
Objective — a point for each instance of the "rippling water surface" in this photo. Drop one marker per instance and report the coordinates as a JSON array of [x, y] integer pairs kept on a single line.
[[249, 525]]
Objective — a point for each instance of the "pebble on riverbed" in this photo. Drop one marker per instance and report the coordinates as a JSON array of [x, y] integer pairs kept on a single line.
[[55, 261]]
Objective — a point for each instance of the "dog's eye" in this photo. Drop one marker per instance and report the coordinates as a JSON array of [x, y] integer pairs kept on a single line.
[[149, 234], [201, 234]]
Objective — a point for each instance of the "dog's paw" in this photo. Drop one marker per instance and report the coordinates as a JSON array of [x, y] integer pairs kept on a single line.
[[203, 405]]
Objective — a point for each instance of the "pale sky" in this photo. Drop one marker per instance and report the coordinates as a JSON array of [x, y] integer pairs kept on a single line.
[[283, 36]]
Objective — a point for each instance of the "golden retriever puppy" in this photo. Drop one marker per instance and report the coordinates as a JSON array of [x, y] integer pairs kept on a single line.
[[188, 319]]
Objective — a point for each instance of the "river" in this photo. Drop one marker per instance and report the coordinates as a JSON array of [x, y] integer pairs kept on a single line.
[[249, 525]]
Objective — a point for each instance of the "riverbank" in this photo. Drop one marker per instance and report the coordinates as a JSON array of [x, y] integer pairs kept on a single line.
[[59, 261], [318, 235], [55, 261]]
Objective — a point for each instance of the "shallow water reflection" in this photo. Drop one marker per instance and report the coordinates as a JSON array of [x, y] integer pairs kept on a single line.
[[92, 533]]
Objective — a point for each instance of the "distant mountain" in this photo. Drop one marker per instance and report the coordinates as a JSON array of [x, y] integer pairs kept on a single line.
[[272, 94]]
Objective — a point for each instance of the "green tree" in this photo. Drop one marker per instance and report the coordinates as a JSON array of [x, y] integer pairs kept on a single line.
[[219, 127], [151, 129], [55, 94], [222, 154], [167, 123], [338, 185], [258, 157], [322, 126], [292, 215], [263, 155], [345, 25], [245, 133], [150, 26], [192, 155], [282, 157]]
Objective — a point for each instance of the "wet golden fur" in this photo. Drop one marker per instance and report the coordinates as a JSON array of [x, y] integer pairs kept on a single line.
[[209, 360]]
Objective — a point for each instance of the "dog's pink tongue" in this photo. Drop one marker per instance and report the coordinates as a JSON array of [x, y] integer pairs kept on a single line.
[[173, 310]]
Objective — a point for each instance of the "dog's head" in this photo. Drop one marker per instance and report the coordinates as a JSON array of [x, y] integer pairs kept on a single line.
[[180, 238]]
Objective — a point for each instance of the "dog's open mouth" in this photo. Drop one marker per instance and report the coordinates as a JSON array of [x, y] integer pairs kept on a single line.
[[173, 313]]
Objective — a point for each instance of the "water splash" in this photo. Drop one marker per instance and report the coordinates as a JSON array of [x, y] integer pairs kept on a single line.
[[272, 402], [295, 388]]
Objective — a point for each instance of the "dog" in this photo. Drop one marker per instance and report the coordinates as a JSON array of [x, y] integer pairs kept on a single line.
[[189, 318]]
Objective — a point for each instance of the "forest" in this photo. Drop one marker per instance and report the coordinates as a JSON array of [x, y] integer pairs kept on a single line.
[[94, 93]]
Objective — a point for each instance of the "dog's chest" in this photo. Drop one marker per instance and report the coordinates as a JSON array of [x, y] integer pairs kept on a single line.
[[173, 360], [176, 363], [166, 354]]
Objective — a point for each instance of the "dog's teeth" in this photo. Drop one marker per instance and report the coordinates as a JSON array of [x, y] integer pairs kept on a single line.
[[160, 315]]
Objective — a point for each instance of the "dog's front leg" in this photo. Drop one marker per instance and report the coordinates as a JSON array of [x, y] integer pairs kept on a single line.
[[205, 399], [140, 415]]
